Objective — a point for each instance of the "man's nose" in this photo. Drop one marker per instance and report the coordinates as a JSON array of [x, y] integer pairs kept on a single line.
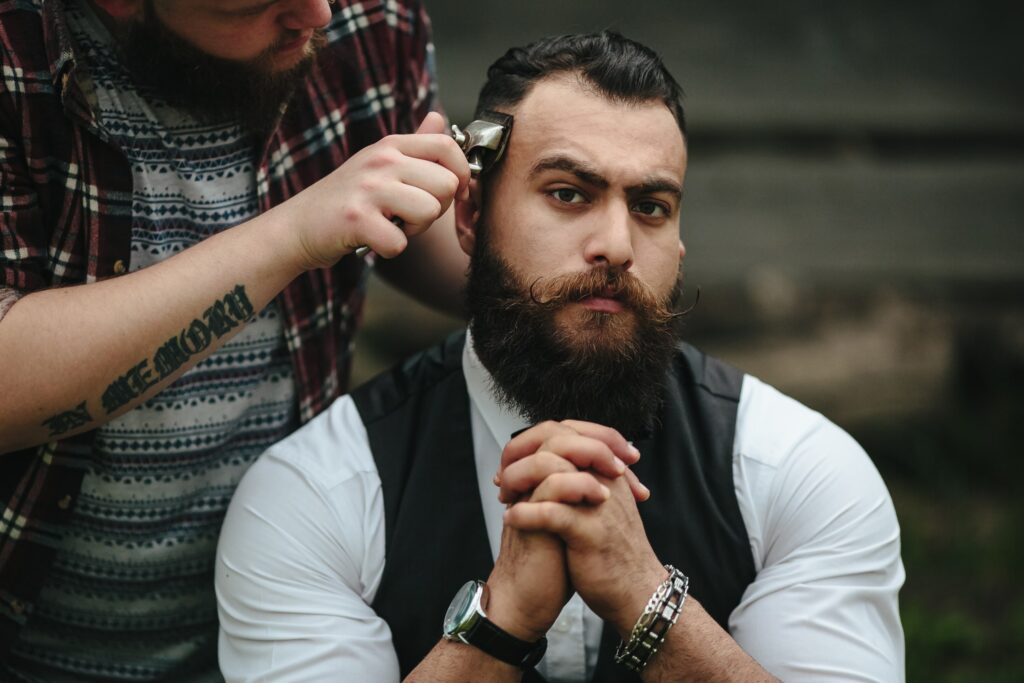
[[300, 15], [611, 241]]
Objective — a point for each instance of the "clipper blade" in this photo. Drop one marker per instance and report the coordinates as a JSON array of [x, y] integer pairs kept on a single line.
[[484, 140]]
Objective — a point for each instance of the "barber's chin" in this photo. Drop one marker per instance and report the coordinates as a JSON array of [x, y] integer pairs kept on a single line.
[[291, 54]]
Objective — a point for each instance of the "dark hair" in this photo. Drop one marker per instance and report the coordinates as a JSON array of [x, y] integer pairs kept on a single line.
[[618, 67]]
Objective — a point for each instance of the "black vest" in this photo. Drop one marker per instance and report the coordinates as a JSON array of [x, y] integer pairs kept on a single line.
[[417, 418]]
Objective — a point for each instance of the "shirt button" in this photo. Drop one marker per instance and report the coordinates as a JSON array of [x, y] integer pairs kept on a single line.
[[562, 625], [65, 502], [119, 267]]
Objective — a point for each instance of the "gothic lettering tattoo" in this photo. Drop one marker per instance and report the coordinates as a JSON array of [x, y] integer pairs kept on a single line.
[[218, 320], [62, 423]]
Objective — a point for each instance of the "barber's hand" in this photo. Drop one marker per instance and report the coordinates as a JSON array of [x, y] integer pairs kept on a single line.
[[610, 561], [565, 446], [410, 177]]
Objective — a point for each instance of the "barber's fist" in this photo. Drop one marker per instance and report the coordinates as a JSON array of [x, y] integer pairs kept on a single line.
[[412, 178]]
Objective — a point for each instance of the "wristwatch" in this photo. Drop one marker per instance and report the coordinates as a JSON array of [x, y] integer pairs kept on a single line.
[[466, 622]]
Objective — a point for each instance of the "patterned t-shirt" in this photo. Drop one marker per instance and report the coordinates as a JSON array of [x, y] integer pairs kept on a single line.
[[135, 567]]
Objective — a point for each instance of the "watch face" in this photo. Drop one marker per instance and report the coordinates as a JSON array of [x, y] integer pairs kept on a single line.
[[462, 606]]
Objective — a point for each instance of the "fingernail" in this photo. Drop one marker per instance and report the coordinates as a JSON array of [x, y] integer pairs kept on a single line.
[[647, 491], [620, 466], [606, 492], [634, 450], [496, 480]]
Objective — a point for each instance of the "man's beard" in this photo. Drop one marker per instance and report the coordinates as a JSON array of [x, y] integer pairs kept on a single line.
[[608, 368], [210, 88]]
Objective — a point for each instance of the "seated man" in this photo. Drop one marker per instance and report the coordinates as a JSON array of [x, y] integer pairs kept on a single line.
[[766, 544]]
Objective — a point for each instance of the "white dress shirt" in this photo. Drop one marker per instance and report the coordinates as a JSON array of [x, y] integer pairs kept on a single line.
[[301, 552]]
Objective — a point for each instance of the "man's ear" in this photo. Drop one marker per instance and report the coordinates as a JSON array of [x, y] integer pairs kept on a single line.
[[120, 9], [467, 216]]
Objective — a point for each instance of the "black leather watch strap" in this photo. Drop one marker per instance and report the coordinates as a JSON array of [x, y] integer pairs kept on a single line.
[[504, 646]]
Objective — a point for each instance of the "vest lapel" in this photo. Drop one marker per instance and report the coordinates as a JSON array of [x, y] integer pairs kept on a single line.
[[436, 537]]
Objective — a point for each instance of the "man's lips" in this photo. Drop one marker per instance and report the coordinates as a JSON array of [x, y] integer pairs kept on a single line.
[[603, 304], [296, 43]]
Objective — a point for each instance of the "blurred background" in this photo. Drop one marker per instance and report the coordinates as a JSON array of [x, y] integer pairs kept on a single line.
[[853, 218]]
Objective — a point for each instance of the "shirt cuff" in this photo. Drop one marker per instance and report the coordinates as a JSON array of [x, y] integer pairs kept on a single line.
[[7, 298]]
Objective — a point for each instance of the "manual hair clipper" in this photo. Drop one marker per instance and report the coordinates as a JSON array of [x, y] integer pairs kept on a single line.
[[483, 141]]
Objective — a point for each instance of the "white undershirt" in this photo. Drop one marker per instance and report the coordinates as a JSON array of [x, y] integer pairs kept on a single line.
[[301, 553]]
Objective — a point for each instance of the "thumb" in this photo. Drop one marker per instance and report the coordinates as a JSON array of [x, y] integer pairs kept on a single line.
[[433, 123]]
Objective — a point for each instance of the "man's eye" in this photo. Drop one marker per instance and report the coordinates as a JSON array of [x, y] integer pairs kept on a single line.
[[567, 195], [652, 209]]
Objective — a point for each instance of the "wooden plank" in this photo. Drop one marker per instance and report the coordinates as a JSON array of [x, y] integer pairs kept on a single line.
[[820, 221], [940, 65]]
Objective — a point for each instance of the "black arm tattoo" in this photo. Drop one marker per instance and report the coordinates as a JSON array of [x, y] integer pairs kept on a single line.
[[224, 315], [62, 423]]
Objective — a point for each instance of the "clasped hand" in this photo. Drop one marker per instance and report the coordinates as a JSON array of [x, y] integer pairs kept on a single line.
[[572, 524]]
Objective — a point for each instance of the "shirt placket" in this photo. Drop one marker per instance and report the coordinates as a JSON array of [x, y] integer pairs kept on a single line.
[[566, 658]]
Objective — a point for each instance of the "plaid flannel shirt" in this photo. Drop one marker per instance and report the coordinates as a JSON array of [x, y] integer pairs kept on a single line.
[[65, 218]]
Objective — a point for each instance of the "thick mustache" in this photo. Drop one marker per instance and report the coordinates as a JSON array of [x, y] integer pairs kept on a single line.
[[605, 283], [612, 284]]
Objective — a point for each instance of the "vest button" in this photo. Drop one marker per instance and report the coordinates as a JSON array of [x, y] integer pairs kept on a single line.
[[119, 267], [65, 502], [17, 606]]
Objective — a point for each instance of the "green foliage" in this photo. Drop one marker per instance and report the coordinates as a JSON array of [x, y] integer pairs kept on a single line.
[[955, 480]]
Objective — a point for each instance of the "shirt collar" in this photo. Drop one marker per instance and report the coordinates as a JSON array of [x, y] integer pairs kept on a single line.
[[501, 422]]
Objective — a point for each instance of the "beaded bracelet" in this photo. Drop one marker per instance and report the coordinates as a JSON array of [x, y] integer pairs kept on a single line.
[[660, 614]]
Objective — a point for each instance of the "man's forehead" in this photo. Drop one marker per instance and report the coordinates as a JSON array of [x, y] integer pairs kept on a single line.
[[562, 116]]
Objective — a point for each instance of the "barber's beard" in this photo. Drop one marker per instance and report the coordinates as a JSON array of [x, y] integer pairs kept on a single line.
[[250, 93], [553, 359]]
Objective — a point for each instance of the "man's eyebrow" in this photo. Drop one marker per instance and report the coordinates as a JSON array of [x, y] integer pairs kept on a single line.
[[560, 162], [654, 185], [587, 173]]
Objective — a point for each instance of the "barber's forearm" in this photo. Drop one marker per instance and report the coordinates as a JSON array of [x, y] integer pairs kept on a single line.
[[697, 649], [74, 358], [452, 662], [432, 270]]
